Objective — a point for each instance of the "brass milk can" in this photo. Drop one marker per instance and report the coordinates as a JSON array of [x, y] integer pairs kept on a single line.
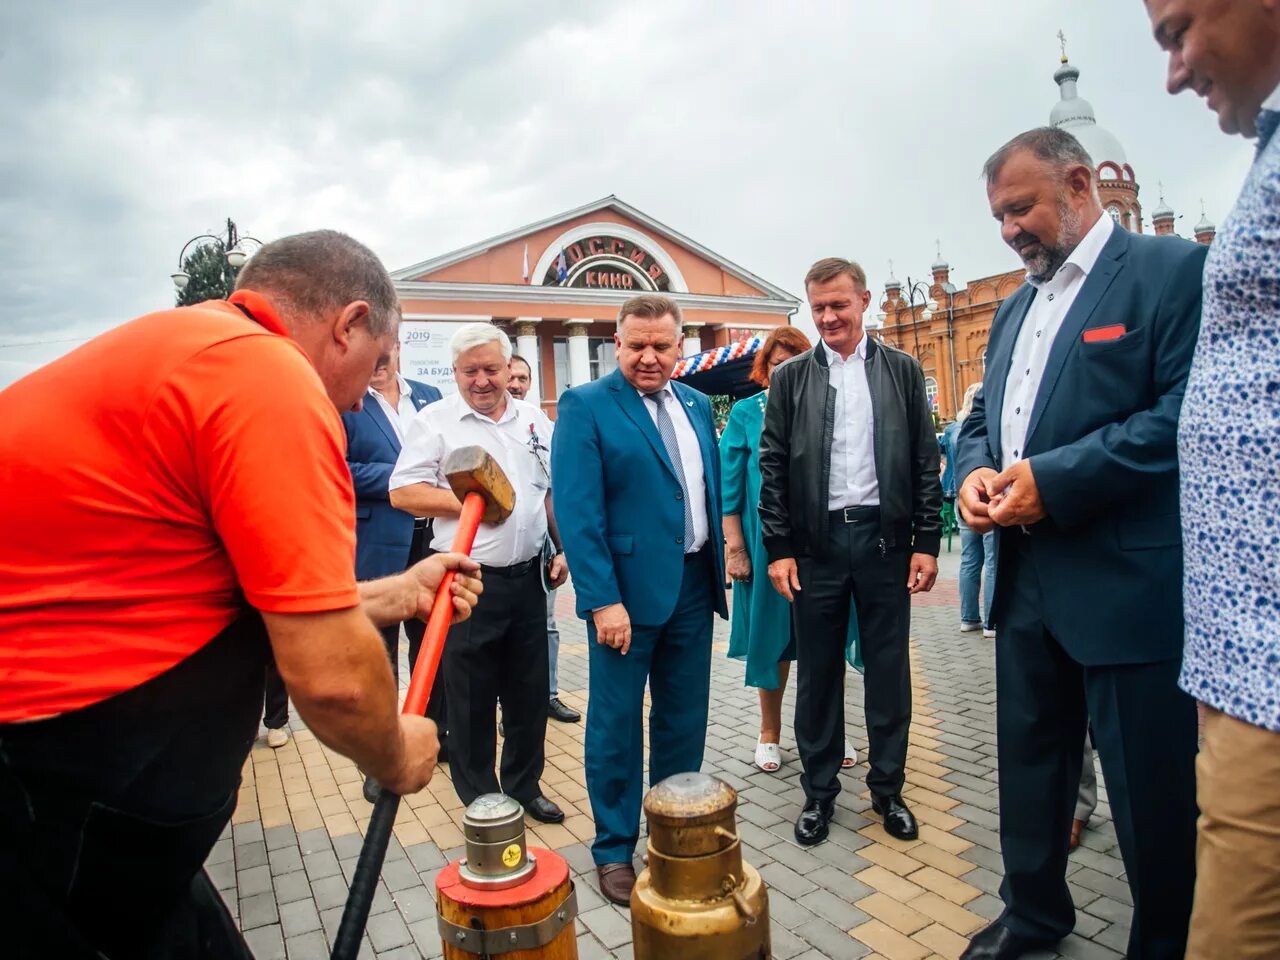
[[697, 900]]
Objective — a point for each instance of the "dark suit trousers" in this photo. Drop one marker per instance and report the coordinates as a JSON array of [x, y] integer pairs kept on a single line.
[[675, 659], [853, 565], [1145, 731], [275, 708], [500, 653]]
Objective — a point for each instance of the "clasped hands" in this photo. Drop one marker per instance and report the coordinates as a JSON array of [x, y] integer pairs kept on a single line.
[[1009, 498]]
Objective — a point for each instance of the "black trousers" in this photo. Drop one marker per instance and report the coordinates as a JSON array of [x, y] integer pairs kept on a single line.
[[858, 562], [275, 710], [1144, 729], [108, 813], [500, 653]]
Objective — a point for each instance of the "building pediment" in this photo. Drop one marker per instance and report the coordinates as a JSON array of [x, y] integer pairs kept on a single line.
[[608, 246]]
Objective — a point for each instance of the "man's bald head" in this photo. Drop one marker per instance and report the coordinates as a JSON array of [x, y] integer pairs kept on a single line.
[[309, 275]]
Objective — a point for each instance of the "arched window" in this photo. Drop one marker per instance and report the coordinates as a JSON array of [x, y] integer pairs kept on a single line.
[[1115, 212], [984, 361], [931, 392]]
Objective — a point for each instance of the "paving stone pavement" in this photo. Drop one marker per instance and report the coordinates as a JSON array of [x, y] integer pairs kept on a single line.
[[284, 863]]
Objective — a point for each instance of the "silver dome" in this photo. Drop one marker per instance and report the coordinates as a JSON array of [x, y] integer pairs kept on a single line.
[[1075, 115]]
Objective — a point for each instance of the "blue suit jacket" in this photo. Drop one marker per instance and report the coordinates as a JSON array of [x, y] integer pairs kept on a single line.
[[1102, 442], [383, 533], [618, 500]]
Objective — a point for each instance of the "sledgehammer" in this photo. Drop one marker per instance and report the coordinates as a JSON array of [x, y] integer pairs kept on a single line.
[[486, 497]]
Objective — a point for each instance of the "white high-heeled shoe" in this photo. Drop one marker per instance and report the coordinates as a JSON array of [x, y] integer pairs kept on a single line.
[[768, 757], [850, 756]]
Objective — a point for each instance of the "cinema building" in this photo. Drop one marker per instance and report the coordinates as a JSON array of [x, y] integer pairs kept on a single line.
[[556, 285]]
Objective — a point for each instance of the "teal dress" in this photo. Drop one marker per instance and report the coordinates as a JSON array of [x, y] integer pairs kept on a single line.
[[760, 632]]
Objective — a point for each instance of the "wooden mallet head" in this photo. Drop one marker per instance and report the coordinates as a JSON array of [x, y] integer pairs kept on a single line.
[[472, 470]]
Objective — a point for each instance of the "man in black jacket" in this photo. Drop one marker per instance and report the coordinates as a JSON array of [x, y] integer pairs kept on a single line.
[[850, 503]]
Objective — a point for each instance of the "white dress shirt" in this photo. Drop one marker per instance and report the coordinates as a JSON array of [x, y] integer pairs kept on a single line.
[[403, 413], [1053, 299], [853, 441], [690, 461], [519, 441]]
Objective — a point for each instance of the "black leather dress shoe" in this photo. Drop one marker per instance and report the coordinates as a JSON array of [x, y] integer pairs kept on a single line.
[[998, 942], [899, 822], [557, 709], [811, 827], [543, 810]]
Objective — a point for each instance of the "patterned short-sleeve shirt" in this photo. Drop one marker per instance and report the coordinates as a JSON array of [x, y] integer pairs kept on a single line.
[[1229, 452]]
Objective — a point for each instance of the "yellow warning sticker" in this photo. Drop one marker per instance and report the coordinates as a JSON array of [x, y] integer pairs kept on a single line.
[[511, 855]]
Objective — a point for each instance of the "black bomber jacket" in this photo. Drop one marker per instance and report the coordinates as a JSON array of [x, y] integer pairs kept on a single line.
[[795, 454]]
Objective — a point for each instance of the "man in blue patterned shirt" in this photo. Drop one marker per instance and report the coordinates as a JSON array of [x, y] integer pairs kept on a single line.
[[1228, 51]]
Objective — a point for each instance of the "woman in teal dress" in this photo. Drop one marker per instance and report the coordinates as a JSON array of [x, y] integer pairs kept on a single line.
[[761, 628]]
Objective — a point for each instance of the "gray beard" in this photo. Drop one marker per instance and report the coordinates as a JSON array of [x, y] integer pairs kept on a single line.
[[1049, 260]]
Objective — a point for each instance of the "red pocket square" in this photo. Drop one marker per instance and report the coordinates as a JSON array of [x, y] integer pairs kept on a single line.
[[1103, 334]]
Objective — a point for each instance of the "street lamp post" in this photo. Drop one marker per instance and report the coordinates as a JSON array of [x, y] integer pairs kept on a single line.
[[950, 289], [235, 248], [930, 306]]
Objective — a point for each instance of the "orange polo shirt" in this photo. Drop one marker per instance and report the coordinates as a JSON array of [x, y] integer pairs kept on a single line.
[[153, 480]]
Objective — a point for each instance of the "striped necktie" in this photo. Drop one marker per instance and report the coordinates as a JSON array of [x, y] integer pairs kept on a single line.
[[667, 430]]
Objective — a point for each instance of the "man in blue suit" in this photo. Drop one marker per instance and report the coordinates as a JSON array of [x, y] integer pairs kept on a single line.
[[387, 539], [637, 498], [1070, 456]]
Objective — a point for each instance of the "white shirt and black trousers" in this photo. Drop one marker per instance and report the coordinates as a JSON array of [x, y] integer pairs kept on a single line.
[[850, 489], [500, 653]]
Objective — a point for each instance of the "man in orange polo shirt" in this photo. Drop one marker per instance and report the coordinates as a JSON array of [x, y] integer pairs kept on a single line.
[[178, 508]]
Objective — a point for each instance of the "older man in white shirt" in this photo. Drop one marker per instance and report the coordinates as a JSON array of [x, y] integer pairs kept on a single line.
[[501, 653]]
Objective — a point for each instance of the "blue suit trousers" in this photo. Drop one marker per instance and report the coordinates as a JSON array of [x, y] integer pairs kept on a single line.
[[675, 659]]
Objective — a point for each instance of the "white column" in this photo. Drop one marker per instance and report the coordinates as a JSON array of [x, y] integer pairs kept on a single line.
[[528, 348], [579, 353], [692, 338]]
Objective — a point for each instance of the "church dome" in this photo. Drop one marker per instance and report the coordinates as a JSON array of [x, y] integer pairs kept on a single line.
[[1075, 115]]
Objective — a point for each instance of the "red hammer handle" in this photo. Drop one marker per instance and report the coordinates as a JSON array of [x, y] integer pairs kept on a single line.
[[424, 669], [355, 915]]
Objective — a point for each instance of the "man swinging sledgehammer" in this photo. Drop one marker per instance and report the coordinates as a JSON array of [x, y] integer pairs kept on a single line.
[[179, 508]]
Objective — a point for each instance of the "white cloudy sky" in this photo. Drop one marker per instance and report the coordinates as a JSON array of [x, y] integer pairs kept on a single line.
[[774, 135]]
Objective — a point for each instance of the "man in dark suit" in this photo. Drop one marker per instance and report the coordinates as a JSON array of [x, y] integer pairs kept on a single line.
[[637, 497], [388, 540], [1069, 454], [850, 510]]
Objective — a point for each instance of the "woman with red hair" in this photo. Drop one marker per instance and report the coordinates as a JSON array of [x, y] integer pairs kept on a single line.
[[761, 629]]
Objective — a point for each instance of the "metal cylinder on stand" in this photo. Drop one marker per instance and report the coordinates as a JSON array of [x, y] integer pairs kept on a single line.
[[697, 899], [504, 899]]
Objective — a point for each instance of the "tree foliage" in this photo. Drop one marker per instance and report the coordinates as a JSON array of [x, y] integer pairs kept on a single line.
[[720, 404], [212, 278]]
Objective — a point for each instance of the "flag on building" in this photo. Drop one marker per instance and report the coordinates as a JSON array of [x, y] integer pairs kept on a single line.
[[525, 273], [562, 268]]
